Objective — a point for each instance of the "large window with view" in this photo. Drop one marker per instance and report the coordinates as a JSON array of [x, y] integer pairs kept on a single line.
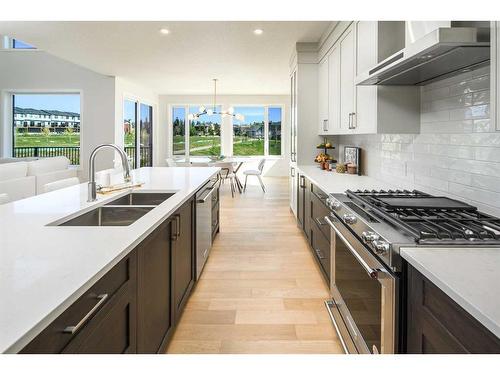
[[179, 130], [249, 133], [256, 130], [130, 130], [204, 133], [274, 133], [46, 125]]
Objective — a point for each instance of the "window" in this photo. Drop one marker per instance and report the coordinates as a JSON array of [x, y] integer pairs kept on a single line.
[[179, 130], [19, 44], [248, 135], [258, 134], [204, 133], [129, 130], [274, 130], [31, 139], [146, 147]]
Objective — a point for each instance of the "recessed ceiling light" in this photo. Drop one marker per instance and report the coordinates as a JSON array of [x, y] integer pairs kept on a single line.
[[165, 31], [258, 31]]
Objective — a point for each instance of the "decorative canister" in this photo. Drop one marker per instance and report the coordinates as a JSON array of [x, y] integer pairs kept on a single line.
[[340, 168]]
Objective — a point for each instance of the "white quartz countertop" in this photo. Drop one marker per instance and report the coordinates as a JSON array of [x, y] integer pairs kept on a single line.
[[470, 276], [333, 182], [44, 269]]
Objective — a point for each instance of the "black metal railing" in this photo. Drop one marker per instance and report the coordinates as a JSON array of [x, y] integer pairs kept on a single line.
[[72, 153], [145, 156]]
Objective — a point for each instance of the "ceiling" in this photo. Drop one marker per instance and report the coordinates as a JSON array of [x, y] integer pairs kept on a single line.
[[183, 61]]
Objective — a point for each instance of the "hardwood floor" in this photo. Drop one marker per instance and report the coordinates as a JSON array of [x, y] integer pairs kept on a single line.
[[261, 290]]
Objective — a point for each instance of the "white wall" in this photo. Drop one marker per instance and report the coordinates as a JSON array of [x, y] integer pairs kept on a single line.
[[128, 90], [38, 71], [274, 166], [457, 153]]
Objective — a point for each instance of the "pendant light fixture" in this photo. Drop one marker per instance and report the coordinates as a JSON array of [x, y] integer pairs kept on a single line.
[[213, 111]]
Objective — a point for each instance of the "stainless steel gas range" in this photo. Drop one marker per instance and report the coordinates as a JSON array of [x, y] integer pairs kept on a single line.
[[368, 228]]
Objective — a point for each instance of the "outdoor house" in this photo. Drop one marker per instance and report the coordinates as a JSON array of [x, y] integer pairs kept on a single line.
[[34, 120]]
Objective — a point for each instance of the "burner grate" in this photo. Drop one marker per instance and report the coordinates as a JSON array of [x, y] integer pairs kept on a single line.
[[428, 218]]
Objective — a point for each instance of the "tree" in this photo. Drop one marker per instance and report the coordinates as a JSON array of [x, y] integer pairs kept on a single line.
[[69, 132], [46, 133]]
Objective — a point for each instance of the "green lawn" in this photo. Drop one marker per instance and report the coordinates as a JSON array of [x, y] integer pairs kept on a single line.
[[210, 145], [51, 140]]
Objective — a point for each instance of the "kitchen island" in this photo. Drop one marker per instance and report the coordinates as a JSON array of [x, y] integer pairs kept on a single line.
[[45, 268]]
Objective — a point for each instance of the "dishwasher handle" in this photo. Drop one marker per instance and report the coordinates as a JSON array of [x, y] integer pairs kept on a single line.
[[204, 199]]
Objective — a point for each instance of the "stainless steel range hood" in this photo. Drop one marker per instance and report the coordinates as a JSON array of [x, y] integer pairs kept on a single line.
[[442, 53]]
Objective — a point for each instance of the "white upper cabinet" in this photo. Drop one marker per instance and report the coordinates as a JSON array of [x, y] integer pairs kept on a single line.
[[334, 95], [352, 109], [323, 97], [347, 74]]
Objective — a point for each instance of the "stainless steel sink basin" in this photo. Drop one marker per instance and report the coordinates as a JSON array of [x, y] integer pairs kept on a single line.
[[105, 216], [140, 199]]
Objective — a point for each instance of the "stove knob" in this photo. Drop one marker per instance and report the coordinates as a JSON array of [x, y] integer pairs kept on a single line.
[[369, 236], [381, 247], [349, 219], [334, 204]]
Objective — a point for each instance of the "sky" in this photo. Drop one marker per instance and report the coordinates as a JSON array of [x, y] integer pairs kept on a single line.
[[59, 102]]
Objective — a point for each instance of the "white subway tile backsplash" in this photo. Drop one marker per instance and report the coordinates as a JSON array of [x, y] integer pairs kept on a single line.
[[457, 152]]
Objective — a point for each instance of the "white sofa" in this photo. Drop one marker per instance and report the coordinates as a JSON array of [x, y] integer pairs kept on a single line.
[[24, 179], [15, 182]]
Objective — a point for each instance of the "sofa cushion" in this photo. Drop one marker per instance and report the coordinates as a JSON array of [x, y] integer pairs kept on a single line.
[[47, 165], [18, 188], [45, 178], [12, 171]]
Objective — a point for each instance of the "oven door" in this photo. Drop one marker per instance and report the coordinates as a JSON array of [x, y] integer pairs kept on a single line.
[[363, 308]]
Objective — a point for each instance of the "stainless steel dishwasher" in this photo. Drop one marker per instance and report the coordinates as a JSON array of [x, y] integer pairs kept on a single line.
[[204, 223]]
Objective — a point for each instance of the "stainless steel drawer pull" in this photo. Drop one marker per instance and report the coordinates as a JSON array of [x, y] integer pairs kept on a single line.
[[319, 222], [204, 199], [73, 329]]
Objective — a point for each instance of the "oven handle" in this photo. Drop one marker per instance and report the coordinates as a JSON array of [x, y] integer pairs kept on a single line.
[[373, 273]]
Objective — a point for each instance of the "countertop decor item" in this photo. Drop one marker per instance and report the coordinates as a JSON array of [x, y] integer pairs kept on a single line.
[[352, 156], [340, 168], [323, 157], [352, 168]]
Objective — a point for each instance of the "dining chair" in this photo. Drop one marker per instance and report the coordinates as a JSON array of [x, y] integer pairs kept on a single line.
[[227, 173], [256, 172], [60, 184], [171, 162]]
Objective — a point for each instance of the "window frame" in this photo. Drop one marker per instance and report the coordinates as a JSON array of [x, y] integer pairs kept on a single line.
[[7, 126]]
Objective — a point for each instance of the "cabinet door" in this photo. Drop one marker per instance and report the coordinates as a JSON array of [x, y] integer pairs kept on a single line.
[[300, 200], [334, 124], [438, 325], [347, 68], [366, 96], [113, 330], [323, 83], [183, 262], [307, 208], [293, 190], [154, 290]]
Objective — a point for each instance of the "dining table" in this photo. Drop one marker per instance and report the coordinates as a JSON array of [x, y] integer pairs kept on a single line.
[[215, 161]]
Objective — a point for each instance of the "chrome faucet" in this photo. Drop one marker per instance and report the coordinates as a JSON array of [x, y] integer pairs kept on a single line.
[[92, 187]]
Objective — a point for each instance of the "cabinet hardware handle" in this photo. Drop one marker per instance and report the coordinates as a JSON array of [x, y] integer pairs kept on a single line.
[[74, 329], [174, 230], [292, 172], [350, 122], [325, 125], [319, 253], [178, 219], [353, 123], [319, 222], [302, 182]]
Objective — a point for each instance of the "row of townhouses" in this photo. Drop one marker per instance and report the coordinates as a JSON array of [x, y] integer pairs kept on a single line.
[[36, 119]]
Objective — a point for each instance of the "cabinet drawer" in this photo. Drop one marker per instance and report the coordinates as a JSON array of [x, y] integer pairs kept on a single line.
[[318, 192], [53, 339], [318, 212], [321, 248]]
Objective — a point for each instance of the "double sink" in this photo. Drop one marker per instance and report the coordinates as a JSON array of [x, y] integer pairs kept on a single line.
[[121, 211]]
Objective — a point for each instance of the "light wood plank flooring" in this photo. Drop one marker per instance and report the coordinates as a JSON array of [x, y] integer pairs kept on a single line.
[[261, 290]]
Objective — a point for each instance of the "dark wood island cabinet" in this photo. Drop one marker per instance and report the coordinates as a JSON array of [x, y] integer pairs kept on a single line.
[[135, 306], [438, 325]]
